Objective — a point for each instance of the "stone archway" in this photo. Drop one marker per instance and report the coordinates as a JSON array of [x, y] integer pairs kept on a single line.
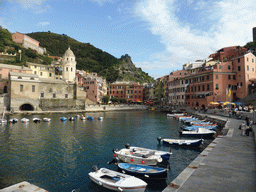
[[26, 107]]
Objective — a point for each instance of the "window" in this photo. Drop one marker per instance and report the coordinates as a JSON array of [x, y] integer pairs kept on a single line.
[[239, 68], [238, 60], [66, 96], [248, 68], [50, 74], [217, 76], [207, 77], [229, 77], [42, 94], [252, 69], [253, 60], [198, 88], [35, 72], [219, 66], [202, 87], [239, 77], [33, 88], [217, 86], [41, 73], [234, 77], [247, 59], [54, 95], [19, 77], [21, 88], [229, 86], [195, 88], [229, 67], [66, 68], [208, 87], [71, 69]]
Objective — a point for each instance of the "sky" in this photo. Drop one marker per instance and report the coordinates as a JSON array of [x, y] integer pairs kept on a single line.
[[159, 35]]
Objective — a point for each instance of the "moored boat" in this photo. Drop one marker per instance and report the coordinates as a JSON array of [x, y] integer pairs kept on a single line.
[[116, 181], [13, 120], [138, 155], [63, 118], [24, 120], [200, 132], [36, 120], [143, 171], [83, 118], [47, 119], [100, 118], [71, 118], [90, 118], [180, 142]]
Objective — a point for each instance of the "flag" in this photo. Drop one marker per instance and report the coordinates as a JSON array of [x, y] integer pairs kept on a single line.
[[229, 92]]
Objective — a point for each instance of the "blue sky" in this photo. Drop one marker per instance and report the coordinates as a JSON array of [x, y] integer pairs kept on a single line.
[[159, 35]]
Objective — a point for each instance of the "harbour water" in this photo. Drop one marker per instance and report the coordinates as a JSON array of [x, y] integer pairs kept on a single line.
[[58, 156]]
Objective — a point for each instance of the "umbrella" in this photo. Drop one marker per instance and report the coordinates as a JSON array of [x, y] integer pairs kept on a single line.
[[214, 103], [228, 103]]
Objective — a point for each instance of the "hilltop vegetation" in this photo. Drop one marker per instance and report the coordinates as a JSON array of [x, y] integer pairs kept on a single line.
[[89, 58]]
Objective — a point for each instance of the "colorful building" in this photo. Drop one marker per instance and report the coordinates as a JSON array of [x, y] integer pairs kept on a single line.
[[130, 91]]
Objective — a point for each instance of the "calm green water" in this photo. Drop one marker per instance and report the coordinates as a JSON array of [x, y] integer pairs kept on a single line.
[[58, 156]]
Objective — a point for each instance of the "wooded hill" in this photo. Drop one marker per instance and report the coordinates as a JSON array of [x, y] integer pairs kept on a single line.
[[90, 58]]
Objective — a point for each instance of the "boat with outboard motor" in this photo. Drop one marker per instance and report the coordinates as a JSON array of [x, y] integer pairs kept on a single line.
[[116, 181], [13, 120], [36, 120], [139, 155], [181, 142]]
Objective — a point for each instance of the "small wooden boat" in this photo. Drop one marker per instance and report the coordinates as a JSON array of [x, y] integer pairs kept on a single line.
[[195, 127], [143, 171], [200, 132], [47, 119], [83, 118], [71, 118], [180, 142], [36, 120], [63, 118], [24, 120], [140, 156], [117, 181], [100, 118], [13, 120], [175, 114], [90, 118]]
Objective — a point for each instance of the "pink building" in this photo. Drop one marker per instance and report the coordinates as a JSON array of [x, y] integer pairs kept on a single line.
[[27, 42]]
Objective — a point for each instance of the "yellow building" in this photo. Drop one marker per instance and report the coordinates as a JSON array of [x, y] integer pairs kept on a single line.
[[43, 71]]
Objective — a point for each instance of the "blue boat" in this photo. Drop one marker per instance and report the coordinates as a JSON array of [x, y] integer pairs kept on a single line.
[[63, 118], [143, 171], [89, 118], [192, 128]]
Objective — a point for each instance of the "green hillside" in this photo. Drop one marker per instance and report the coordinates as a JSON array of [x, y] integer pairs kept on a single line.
[[88, 57]]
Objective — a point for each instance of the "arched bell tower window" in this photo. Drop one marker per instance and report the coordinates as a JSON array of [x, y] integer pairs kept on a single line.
[[67, 59]]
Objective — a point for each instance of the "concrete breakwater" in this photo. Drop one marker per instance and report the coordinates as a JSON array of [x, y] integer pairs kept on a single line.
[[90, 108]]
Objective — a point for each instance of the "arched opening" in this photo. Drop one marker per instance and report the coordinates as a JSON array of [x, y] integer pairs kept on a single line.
[[26, 107]]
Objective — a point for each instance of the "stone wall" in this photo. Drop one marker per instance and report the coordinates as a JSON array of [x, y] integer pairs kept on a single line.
[[61, 104]]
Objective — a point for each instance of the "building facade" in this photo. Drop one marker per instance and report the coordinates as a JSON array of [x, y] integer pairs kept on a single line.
[[28, 42]]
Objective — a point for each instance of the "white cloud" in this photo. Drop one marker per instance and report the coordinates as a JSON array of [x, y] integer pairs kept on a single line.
[[38, 6], [43, 23], [231, 24]]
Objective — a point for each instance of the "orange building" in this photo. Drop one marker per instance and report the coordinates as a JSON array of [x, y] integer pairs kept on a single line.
[[132, 92]]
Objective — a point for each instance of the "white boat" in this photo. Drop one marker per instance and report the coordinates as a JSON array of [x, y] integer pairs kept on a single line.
[[46, 119], [180, 142], [175, 114], [117, 181], [83, 118], [24, 120], [200, 132], [36, 120], [138, 155], [13, 120], [100, 118]]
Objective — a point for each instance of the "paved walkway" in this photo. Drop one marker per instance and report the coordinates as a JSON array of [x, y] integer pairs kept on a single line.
[[227, 164]]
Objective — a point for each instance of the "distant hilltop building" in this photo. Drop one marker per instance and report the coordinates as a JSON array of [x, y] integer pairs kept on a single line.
[[28, 42]]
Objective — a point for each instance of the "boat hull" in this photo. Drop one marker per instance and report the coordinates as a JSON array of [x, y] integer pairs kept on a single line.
[[142, 171], [189, 143]]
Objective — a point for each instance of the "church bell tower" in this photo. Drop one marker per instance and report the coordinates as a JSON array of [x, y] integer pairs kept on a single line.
[[69, 66]]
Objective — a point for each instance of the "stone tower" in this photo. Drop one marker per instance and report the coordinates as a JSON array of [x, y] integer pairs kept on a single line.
[[69, 66]]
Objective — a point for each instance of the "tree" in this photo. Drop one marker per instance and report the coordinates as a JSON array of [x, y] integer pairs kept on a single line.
[[123, 100], [115, 99], [105, 99]]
